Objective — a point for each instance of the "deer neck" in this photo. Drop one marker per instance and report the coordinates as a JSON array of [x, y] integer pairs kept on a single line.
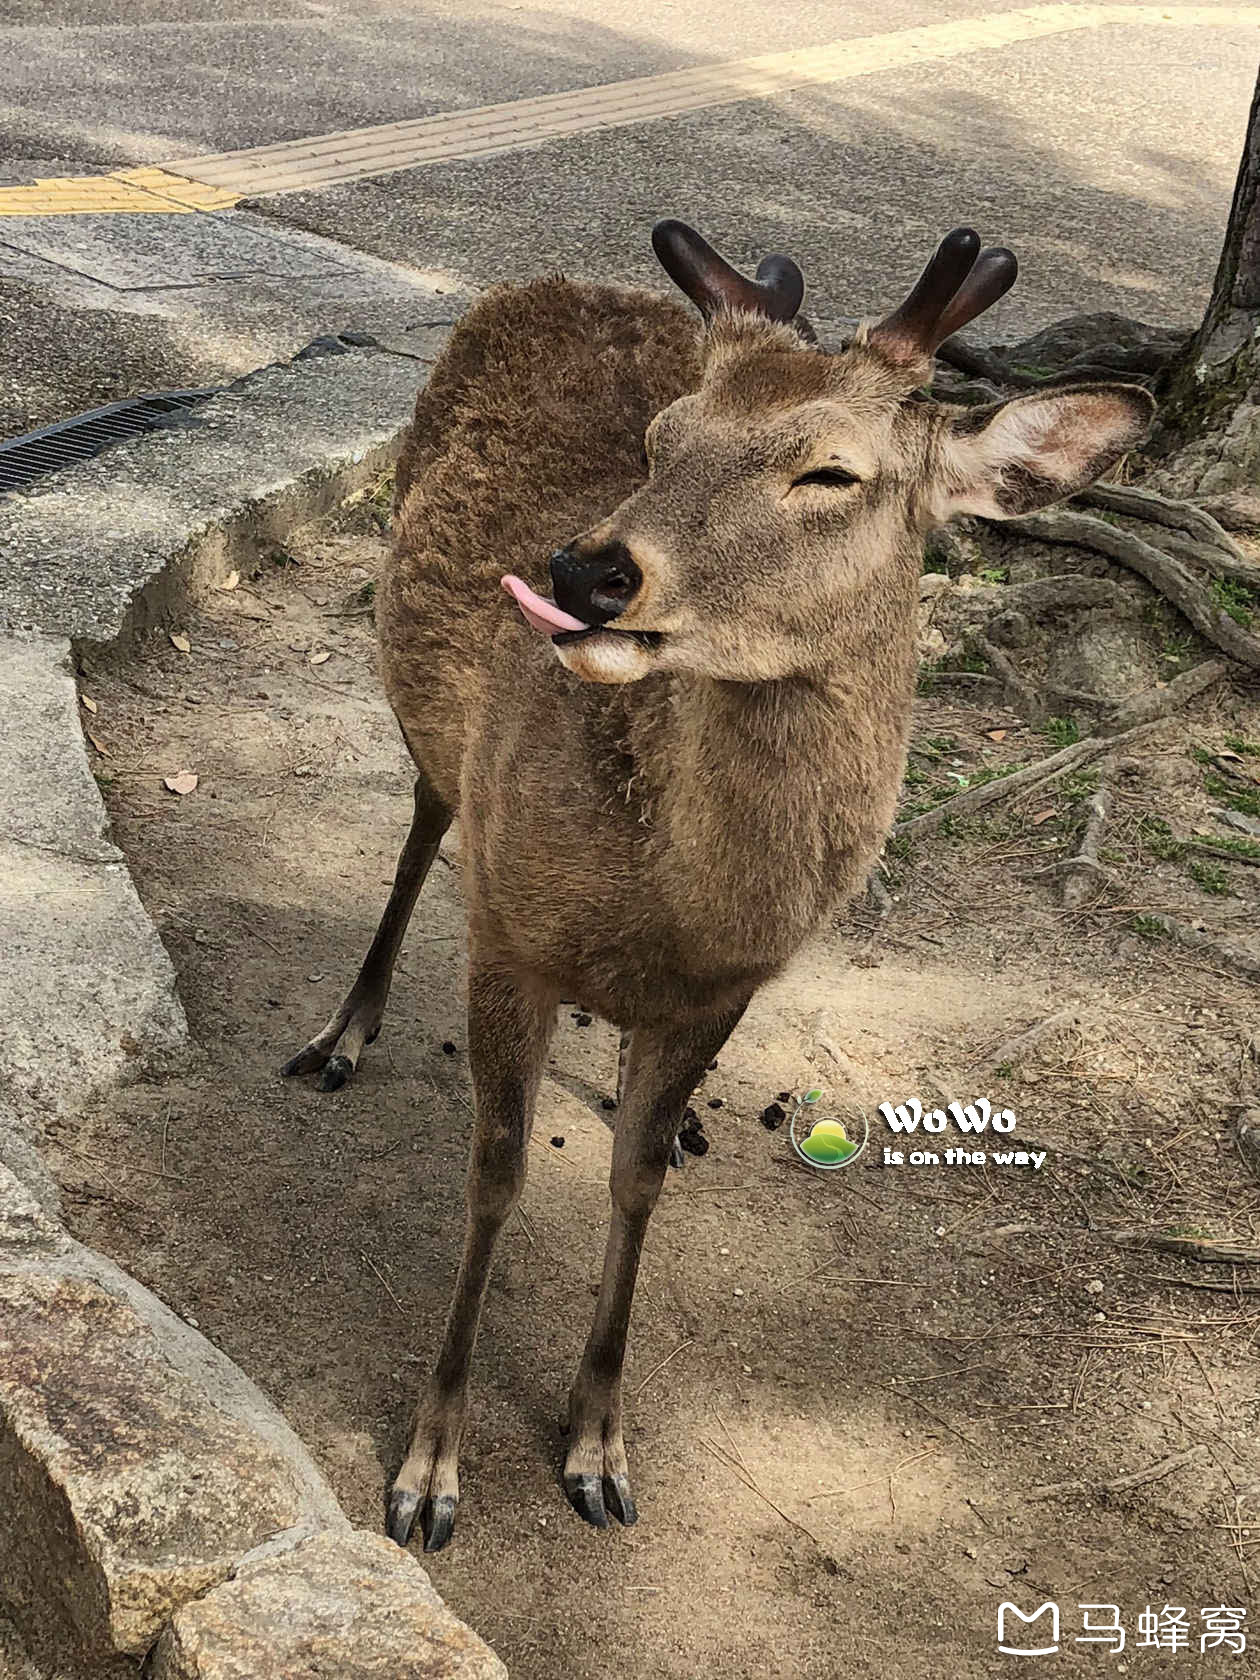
[[776, 796]]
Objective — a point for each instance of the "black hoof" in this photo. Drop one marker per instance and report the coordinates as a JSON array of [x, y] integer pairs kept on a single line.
[[619, 1500], [401, 1516], [587, 1499], [336, 1071], [676, 1156], [306, 1061], [439, 1522]]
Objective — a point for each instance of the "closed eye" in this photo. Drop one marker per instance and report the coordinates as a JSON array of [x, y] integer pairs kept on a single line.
[[834, 477]]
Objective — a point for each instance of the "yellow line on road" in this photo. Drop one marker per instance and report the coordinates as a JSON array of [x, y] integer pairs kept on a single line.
[[218, 180], [149, 191]]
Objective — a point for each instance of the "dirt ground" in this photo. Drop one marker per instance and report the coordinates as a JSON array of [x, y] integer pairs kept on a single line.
[[848, 1392]]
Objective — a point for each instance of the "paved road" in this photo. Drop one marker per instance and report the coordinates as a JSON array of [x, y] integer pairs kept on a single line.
[[1100, 141]]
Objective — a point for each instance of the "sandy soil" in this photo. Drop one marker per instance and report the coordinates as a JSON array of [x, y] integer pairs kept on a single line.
[[845, 1390]]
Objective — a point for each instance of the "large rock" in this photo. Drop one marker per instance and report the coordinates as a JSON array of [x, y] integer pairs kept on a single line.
[[87, 992], [137, 1463], [350, 1606]]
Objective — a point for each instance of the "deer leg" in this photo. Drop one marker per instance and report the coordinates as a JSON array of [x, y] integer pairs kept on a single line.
[[676, 1156], [337, 1047], [664, 1068], [508, 1034]]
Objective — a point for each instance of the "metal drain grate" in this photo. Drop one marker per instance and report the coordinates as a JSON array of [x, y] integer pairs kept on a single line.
[[24, 459]]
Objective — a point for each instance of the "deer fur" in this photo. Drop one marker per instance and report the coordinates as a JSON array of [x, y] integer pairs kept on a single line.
[[655, 823]]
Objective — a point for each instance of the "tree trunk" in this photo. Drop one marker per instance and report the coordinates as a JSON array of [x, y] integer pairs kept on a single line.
[[1210, 400]]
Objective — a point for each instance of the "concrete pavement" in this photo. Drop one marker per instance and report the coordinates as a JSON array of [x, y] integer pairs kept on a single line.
[[1103, 149]]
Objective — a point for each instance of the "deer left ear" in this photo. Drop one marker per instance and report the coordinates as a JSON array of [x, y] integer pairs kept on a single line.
[[1010, 458]]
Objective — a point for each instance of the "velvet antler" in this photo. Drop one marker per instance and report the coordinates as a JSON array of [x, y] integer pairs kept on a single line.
[[960, 282], [712, 284]]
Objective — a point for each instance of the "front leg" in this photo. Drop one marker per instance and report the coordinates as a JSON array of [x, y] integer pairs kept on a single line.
[[663, 1069], [508, 1034]]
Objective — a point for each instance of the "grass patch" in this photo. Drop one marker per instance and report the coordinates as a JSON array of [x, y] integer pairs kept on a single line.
[[1157, 839], [994, 574], [1235, 599], [1061, 731], [1080, 785], [1149, 927], [1210, 876], [1245, 748], [1236, 843], [1238, 799]]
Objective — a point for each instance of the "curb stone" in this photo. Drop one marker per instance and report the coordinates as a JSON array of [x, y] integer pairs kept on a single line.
[[149, 1491]]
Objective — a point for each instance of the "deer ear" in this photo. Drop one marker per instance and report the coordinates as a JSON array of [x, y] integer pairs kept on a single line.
[[1009, 458]]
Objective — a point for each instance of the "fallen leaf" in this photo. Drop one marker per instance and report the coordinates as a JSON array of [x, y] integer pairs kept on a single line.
[[320, 658], [179, 640], [97, 743], [87, 702], [996, 734], [184, 782], [231, 580], [1043, 816]]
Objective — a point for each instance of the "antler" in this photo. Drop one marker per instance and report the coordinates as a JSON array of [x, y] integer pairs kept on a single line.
[[712, 284], [960, 282]]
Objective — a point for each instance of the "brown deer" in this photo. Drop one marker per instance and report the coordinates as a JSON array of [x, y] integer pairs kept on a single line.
[[670, 771]]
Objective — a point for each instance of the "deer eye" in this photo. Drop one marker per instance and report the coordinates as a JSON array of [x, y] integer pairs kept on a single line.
[[834, 477]]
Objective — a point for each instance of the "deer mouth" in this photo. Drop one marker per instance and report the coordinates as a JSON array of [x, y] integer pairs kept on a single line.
[[550, 620]]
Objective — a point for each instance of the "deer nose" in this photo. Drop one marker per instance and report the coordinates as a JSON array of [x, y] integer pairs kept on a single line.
[[594, 587]]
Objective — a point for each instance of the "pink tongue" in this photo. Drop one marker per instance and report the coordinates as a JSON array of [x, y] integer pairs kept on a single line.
[[542, 614]]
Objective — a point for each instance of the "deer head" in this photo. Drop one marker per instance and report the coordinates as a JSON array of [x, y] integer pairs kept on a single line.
[[792, 481]]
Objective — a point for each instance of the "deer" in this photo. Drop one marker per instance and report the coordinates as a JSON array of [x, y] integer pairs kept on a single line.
[[676, 747]]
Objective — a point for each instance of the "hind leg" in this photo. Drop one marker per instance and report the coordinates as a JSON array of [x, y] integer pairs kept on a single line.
[[337, 1047]]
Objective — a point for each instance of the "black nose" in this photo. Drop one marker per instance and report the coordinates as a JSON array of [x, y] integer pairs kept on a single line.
[[595, 587]]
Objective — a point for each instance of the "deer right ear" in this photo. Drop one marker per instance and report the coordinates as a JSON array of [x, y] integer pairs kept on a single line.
[[1011, 458]]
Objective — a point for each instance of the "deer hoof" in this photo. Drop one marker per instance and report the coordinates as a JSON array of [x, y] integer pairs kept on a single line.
[[619, 1500], [309, 1060], [586, 1496], [337, 1070], [401, 1516], [439, 1522]]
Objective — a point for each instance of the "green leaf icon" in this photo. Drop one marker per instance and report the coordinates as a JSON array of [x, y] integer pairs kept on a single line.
[[828, 1144]]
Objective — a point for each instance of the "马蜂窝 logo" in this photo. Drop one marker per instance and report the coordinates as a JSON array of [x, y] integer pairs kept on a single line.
[[825, 1144], [1005, 1631]]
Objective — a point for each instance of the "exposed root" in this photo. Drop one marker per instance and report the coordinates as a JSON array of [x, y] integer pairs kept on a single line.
[[1236, 510], [1218, 951], [1173, 514], [1247, 1138], [1208, 1251], [1084, 874], [1122, 1484], [1056, 594], [1020, 695], [1013, 1050], [1128, 724], [1174, 581]]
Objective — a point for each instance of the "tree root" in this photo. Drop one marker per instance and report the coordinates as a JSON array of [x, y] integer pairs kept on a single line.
[[1160, 569], [1084, 872], [1129, 723], [1123, 1484], [1209, 1251], [1219, 951], [1173, 514], [1019, 694], [1012, 1050]]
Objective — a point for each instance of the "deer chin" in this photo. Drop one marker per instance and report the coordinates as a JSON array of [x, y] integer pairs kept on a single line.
[[606, 656]]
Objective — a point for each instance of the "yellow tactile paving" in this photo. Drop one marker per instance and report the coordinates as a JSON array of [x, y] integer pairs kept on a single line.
[[149, 190], [215, 181], [329, 159]]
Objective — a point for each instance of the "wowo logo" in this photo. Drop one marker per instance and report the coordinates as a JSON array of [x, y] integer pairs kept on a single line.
[[825, 1144]]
